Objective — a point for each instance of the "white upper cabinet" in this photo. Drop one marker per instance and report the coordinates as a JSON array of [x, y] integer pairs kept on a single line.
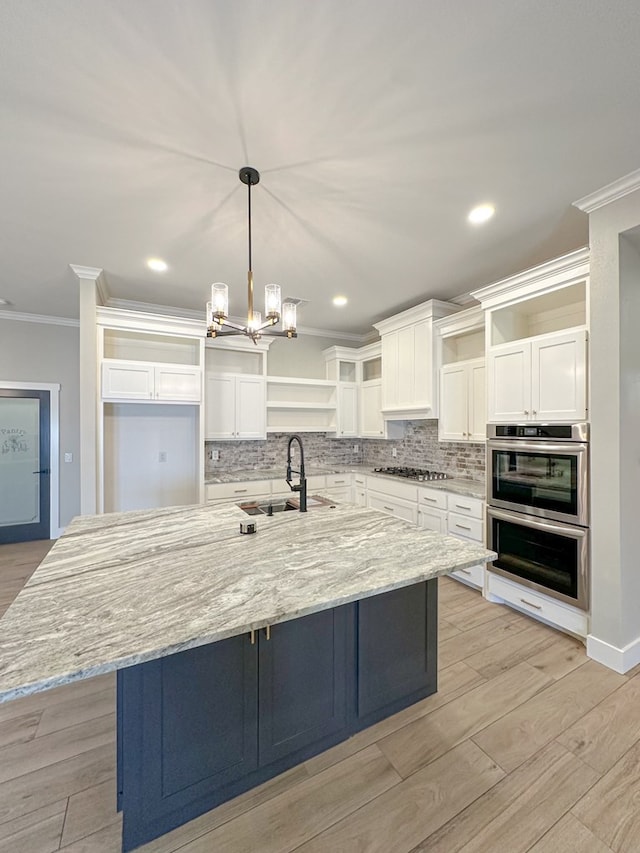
[[410, 361], [234, 407], [463, 401], [139, 364], [347, 415], [537, 342], [235, 390]]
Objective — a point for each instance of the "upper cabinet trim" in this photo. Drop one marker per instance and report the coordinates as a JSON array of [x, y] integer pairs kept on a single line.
[[611, 192]]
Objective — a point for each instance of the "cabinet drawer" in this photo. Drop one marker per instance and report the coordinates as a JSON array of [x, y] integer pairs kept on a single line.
[[398, 508], [387, 486], [465, 506], [474, 576], [433, 498], [238, 491], [540, 606], [468, 528], [339, 481], [360, 480]]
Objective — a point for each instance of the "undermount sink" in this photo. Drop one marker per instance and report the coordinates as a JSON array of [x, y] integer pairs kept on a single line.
[[273, 506], [267, 507]]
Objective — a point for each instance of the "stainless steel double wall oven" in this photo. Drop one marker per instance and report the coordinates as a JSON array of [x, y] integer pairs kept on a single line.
[[538, 507]]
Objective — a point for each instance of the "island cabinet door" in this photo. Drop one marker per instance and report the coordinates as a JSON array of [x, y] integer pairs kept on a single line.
[[304, 677], [187, 729], [397, 650]]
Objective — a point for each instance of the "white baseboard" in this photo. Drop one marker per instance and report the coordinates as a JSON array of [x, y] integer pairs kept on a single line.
[[620, 660]]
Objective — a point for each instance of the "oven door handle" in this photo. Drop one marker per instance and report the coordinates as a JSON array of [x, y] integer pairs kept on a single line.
[[568, 448], [570, 530]]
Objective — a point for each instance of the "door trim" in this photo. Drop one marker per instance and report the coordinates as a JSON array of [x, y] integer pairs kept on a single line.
[[54, 445]]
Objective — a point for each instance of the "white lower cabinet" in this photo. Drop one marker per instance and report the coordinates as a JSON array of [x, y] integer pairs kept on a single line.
[[238, 492], [534, 603], [455, 515], [397, 507]]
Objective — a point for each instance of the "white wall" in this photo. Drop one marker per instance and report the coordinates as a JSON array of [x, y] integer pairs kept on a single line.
[[135, 437], [301, 356], [43, 352], [614, 360]]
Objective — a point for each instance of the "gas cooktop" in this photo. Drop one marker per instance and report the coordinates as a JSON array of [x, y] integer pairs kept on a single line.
[[413, 473]]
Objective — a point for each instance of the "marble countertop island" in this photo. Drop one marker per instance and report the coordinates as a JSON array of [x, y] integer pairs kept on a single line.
[[124, 588]]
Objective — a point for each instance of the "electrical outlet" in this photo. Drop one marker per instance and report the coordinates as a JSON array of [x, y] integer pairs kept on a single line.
[[356, 448], [68, 457], [215, 455], [162, 456], [394, 452]]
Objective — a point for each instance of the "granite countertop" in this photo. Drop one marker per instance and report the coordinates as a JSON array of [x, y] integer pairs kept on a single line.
[[457, 485], [122, 588]]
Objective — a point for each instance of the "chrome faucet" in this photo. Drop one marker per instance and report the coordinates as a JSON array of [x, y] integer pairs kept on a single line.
[[302, 485]]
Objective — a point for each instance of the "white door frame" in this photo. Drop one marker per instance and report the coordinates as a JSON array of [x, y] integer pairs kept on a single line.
[[54, 445]]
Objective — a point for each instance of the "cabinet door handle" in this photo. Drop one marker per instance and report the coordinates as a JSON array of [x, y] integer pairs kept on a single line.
[[239, 491], [465, 571], [463, 527], [390, 508], [462, 506], [526, 411], [252, 637], [534, 412], [336, 482], [267, 632], [530, 604], [431, 500]]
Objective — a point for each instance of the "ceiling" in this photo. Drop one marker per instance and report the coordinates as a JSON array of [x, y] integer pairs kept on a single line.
[[375, 126]]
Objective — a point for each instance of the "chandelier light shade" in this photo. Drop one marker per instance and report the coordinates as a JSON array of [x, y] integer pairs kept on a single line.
[[218, 322]]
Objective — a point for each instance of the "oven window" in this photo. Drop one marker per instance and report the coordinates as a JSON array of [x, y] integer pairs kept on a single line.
[[547, 481], [547, 559]]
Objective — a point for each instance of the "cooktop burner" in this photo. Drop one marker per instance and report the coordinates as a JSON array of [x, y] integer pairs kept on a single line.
[[413, 473]]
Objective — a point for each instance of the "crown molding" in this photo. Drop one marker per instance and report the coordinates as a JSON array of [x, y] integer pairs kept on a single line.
[[38, 318], [96, 275], [547, 276], [611, 192], [465, 321], [432, 309], [190, 314]]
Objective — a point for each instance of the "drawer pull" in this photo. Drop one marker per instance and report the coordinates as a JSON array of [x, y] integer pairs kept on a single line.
[[529, 604], [239, 491], [465, 571], [390, 508], [463, 527], [431, 500], [336, 482], [462, 506]]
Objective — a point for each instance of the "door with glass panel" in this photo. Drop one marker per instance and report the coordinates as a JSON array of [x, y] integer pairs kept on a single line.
[[24, 465]]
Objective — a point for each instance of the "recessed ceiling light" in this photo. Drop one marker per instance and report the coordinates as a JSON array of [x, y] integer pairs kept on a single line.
[[481, 213], [339, 300], [157, 265]]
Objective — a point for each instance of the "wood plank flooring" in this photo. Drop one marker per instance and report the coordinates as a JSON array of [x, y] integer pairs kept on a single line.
[[527, 746]]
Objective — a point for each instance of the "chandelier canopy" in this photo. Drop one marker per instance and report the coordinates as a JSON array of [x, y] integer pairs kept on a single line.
[[218, 322]]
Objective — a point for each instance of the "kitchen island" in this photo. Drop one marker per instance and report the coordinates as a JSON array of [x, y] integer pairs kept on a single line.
[[237, 656]]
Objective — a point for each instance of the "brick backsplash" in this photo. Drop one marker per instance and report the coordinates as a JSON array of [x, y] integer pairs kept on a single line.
[[419, 447]]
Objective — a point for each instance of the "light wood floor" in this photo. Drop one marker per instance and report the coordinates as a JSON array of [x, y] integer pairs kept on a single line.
[[527, 746]]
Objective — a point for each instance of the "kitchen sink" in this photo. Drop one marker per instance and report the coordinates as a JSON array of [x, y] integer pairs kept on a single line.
[[267, 507], [273, 506]]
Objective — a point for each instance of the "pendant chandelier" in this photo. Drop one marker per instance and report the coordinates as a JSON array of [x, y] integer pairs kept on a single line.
[[218, 322]]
